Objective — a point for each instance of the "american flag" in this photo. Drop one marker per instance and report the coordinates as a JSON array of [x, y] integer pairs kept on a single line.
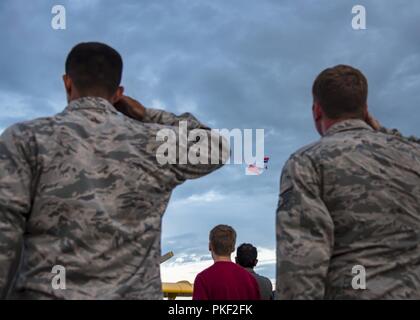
[[253, 170]]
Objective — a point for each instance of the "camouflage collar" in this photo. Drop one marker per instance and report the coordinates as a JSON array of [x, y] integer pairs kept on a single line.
[[346, 125], [92, 103]]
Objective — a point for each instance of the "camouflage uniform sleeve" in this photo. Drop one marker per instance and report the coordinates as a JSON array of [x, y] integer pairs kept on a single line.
[[15, 200], [170, 119], [305, 233], [397, 133], [217, 146]]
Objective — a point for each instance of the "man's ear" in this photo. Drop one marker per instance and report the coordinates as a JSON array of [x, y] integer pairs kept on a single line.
[[317, 111], [210, 247], [256, 262], [317, 115], [68, 84], [117, 95]]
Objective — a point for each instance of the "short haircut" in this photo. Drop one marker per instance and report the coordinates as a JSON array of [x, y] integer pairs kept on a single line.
[[94, 67], [246, 255], [341, 91], [222, 240]]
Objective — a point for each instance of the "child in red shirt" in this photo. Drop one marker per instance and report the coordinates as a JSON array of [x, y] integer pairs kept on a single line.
[[224, 280]]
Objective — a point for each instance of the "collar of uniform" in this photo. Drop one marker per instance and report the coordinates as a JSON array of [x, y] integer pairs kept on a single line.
[[346, 125], [92, 103]]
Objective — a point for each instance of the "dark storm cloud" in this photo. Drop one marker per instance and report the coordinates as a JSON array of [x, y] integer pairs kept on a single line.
[[235, 64]]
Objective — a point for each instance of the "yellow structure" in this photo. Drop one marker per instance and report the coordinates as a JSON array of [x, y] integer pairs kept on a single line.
[[178, 289]]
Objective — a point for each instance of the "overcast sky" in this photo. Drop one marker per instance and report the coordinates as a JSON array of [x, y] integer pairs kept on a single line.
[[233, 64]]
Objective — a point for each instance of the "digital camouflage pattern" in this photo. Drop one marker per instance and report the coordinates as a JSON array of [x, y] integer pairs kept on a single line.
[[83, 190], [352, 198]]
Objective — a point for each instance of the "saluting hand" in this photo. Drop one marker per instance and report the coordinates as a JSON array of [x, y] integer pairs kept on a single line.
[[374, 123], [130, 107]]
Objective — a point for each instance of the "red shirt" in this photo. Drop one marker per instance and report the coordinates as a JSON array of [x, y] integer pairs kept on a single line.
[[225, 280]]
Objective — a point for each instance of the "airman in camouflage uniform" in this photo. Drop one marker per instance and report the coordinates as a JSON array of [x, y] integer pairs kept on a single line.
[[83, 189], [350, 199]]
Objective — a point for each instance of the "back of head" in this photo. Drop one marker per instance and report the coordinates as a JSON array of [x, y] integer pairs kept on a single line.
[[246, 255], [222, 240], [95, 68], [341, 92]]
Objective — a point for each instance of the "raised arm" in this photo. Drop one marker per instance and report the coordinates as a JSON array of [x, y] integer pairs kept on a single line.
[[189, 137], [375, 124]]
